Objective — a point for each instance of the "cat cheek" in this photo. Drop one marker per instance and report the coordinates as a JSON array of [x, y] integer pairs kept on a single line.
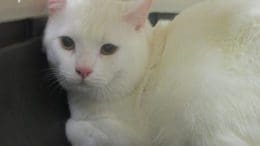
[[52, 57]]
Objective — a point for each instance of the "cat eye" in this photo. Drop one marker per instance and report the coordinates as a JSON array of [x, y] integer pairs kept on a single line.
[[67, 43], [108, 49]]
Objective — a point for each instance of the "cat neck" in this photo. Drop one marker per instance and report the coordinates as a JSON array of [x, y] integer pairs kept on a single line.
[[83, 107]]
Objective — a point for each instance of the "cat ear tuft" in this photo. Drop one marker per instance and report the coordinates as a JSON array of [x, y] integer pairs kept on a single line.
[[55, 5], [138, 16]]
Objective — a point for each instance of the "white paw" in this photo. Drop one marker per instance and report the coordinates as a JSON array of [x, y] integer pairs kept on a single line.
[[83, 133]]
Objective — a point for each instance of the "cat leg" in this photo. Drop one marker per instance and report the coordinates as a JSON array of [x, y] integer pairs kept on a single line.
[[83, 133], [102, 132]]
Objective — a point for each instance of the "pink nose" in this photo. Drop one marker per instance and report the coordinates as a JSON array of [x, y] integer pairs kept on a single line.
[[84, 72]]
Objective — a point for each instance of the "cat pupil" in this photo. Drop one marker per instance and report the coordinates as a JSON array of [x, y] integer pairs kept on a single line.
[[108, 49], [67, 43]]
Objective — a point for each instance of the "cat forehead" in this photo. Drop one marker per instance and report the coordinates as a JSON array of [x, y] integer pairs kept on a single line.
[[96, 9], [93, 18]]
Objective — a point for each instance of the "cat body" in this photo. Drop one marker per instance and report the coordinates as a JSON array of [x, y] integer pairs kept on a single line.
[[192, 82], [208, 88]]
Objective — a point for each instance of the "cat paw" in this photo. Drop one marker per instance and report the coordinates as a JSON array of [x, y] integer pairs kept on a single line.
[[83, 133]]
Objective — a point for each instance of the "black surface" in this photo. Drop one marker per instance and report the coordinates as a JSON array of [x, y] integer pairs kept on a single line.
[[155, 17], [18, 31], [32, 113]]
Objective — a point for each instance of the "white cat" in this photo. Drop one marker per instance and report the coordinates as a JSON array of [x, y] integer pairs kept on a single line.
[[194, 82]]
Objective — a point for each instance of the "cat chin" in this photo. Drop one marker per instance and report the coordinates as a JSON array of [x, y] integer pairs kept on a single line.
[[82, 86]]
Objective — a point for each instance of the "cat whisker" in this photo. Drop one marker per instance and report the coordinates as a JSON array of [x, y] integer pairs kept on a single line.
[[53, 84]]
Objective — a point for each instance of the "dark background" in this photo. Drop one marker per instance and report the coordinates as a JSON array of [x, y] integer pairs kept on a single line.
[[33, 108]]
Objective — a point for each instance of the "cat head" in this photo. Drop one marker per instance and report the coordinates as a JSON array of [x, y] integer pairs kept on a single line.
[[98, 44]]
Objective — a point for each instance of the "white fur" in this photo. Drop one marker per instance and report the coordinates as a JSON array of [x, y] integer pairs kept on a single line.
[[197, 84], [92, 24], [208, 88]]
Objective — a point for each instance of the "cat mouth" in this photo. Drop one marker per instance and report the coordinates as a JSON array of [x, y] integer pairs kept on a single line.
[[82, 86], [82, 82], [85, 84]]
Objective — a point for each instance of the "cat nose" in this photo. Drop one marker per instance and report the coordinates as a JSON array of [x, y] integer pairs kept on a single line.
[[84, 72]]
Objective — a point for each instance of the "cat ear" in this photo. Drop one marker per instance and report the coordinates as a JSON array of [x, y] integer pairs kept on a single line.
[[55, 5], [138, 16]]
